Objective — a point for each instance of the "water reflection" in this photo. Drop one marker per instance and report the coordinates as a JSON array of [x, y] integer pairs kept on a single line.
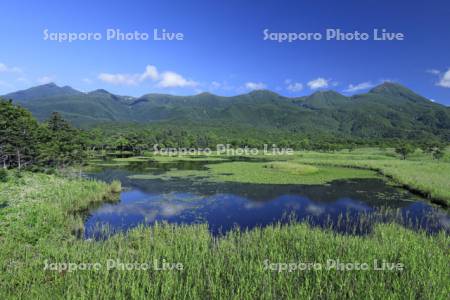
[[349, 206]]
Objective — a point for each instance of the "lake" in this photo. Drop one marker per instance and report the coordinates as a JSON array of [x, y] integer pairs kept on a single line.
[[345, 206]]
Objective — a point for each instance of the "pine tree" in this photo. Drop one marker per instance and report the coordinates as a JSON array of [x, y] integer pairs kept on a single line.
[[18, 135]]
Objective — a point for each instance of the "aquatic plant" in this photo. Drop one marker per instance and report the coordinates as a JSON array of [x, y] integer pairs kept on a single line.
[[36, 234]]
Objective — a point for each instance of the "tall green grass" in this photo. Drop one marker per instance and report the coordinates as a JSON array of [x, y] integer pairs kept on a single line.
[[421, 174], [37, 225]]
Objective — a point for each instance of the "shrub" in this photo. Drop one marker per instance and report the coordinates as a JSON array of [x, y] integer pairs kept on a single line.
[[3, 175], [405, 150], [116, 186], [18, 174]]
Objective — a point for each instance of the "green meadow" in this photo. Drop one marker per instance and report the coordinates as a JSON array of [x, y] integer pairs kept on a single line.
[[39, 221], [41, 217], [277, 172], [419, 173]]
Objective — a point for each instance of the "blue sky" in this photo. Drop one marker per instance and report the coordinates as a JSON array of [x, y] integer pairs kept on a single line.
[[223, 50]]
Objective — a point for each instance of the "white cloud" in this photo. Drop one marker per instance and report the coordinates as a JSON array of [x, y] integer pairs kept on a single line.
[[444, 77], [5, 68], [87, 80], [294, 86], [445, 80], [255, 85], [171, 79], [166, 79], [434, 71], [318, 83], [45, 79], [215, 85], [358, 87], [150, 72], [120, 79], [221, 85], [13, 76]]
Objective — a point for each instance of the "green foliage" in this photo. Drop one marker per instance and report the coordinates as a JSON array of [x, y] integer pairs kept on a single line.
[[385, 113], [282, 173], [61, 144], [419, 173], [116, 186], [435, 149], [3, 175], [18, 135], [25, 143], [140, 137], [18, 174], [404, 150], [438, 154], [324, 121], [39, 222]]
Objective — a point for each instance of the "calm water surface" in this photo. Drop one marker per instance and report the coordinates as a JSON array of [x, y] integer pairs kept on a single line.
[[346, 206]]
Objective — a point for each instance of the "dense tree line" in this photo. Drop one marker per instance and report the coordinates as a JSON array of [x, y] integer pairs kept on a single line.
[[135, 138], [26, 143], [56, 144]]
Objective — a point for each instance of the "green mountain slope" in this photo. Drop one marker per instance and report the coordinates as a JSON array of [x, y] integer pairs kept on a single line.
[[42, 92], [387, 111]]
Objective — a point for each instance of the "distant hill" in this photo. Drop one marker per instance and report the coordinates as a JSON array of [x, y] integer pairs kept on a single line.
[[43, 91], [389, 110]]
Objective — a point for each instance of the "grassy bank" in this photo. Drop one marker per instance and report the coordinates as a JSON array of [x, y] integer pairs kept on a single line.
[[420, 173], [282, 173], [45, 204], [263, 173], [37, 221]]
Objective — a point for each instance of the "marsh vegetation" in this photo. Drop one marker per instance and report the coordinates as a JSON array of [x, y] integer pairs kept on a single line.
[[38, 223], [223, 218]]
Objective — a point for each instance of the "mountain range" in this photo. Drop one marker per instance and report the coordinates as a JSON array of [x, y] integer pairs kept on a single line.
[[389, 110]]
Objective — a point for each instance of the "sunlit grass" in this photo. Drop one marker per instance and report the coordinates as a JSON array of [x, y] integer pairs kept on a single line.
[[291, 168], [40, 219], [116, 186], [263, 173], [427, 176], [282, 173], [172, 158]]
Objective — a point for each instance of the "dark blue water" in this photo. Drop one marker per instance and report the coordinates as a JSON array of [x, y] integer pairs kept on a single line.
[[346, 206]]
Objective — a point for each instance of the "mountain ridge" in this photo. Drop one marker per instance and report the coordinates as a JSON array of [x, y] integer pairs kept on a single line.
[[385, 87], [389, 110]]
